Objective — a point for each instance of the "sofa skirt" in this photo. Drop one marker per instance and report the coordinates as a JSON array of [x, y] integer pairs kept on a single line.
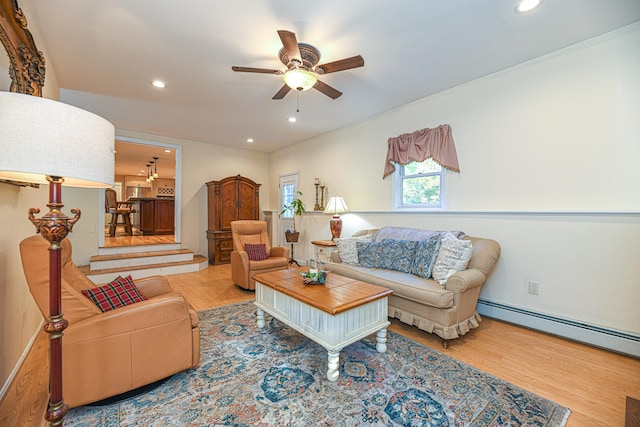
[[428, 325]]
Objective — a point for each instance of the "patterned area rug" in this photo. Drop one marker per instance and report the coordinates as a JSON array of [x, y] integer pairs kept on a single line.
[[277, 377]]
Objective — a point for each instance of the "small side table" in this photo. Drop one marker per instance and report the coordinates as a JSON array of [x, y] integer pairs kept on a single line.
[[324, 248]]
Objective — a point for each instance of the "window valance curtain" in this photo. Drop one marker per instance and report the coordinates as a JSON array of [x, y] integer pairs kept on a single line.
[[436, 143]]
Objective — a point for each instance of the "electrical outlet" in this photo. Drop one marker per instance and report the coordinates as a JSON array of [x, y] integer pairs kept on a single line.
[[534, 288]]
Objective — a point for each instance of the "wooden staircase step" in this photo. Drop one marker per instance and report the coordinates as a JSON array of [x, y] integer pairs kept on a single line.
[[101, 262], [137, 271], [112, 257], [139, 248]]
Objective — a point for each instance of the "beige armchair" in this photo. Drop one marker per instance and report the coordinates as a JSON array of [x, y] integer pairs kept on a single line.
[[243, 269], [106, 354]]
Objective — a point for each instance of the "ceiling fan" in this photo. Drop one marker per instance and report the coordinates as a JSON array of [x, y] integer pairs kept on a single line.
[[303, 70]]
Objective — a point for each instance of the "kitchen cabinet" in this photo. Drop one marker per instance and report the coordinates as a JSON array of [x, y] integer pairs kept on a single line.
[[163, 187], [229, 199], [157, 216]]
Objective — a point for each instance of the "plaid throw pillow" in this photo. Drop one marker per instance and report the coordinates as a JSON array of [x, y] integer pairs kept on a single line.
[[119, 293], [256, 252]]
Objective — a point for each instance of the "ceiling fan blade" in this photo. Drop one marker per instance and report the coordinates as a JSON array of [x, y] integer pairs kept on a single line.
[[284, 90], [327, 90], [290, 44], [340, 65], [255, 70]]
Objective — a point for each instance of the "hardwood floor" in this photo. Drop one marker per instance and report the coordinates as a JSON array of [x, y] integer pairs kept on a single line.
[[125, 240], [592, 382]]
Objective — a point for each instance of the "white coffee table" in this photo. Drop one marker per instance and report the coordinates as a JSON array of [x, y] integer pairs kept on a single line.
[[334, 315]]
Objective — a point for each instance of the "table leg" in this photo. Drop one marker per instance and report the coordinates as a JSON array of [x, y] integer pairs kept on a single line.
[[260, 318], [381, 340], [333, 366]]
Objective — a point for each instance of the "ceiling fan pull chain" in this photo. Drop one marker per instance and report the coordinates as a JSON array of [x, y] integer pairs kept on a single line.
[[297, 101]]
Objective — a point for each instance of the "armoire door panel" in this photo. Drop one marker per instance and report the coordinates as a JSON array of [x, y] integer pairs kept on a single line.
[[229, 201], [247, 207]]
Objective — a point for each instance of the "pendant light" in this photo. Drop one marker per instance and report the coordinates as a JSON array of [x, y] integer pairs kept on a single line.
[[151, 171], [148, 173], [155, 168]]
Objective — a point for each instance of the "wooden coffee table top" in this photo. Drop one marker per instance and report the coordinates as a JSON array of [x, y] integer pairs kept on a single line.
[[338, 294]]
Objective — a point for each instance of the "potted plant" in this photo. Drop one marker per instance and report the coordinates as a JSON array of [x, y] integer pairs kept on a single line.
[[297, 208]]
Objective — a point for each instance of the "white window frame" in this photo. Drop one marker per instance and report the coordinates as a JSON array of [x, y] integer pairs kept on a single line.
[[398, 178]]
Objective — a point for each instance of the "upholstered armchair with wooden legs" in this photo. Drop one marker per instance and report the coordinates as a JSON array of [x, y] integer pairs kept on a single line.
[[106, 354], [242, 268]]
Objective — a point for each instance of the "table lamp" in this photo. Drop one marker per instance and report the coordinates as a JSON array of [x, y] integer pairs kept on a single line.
[[45, 141], [336, 206]]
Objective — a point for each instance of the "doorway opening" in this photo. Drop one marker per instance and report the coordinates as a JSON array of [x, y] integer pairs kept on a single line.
[[147, 178]]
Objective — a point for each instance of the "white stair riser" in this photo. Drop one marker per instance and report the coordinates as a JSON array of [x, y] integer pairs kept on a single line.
[[117, 250], [154, 271], [130, 262]]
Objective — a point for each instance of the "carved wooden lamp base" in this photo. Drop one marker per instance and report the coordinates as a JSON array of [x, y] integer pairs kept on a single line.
[[54, 227]]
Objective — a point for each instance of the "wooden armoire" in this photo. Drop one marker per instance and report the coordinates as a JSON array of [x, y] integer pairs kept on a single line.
[[229, 199]]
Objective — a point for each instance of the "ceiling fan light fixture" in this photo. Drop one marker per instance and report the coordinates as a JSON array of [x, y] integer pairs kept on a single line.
[[300, 79]]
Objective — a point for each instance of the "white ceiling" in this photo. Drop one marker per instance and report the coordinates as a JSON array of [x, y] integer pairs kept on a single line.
[[105, 54]]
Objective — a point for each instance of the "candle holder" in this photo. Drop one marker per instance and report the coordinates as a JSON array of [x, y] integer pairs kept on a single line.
[[317, 207], [322, 187]]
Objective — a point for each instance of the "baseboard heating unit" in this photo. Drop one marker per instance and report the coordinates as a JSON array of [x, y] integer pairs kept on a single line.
[[599, 337]]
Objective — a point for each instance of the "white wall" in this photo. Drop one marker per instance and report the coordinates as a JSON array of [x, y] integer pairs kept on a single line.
[[548, 152]]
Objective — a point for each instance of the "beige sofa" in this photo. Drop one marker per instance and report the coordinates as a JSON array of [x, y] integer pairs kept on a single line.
[[448, 311]]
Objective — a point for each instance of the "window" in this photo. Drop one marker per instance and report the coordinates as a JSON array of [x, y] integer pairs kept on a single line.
[[419, 185], [288, 192], [288, 188]]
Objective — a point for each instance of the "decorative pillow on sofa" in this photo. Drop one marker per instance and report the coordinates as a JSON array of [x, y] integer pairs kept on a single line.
[[367, 254], [256, 252], [119, 293], [389, 254], [453, 256], [347, 248], [425, 256]]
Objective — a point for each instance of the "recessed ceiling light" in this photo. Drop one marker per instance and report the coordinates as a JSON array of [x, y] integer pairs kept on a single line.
[[250, 140], [292, 119], [167, 151], [159, 84], [527, 5]]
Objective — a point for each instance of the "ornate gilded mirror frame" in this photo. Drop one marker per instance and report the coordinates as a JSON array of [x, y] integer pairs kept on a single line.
[[26, 62], [26, 68]]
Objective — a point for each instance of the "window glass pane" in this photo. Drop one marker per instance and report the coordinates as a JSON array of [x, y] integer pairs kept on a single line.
[[421, 191], [287, 197], [428, 166]]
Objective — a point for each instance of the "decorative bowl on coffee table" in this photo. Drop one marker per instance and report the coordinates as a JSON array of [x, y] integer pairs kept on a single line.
[[314, 276]]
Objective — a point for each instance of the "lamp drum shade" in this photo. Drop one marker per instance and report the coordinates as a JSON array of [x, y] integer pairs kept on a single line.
[[40, 137]]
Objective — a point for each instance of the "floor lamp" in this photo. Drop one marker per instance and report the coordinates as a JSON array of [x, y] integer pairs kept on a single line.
[[46, 141]]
